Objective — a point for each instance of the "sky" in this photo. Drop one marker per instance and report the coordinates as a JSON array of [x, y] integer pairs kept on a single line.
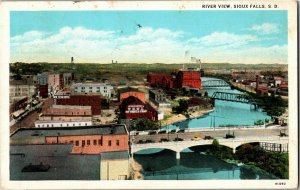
[[249, 37]]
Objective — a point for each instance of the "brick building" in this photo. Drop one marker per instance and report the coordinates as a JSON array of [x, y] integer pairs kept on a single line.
[[182, 79], [43, 90], [82, 100], [55, 82], [161, 80], [188, 78], [68, 110], [85, 140], [126, 92], [133, 108]]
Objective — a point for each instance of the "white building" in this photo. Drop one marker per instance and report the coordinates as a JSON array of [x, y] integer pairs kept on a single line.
[[104, 89], [21, 90], [49, 124]]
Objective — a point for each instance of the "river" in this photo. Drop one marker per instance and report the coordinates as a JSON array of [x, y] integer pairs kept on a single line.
[[225, 114], [162, 164]]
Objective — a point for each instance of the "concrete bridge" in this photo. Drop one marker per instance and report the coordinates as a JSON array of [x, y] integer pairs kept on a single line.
[[179, 146]]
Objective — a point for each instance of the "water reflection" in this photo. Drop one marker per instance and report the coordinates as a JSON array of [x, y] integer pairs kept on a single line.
[[192, 166]]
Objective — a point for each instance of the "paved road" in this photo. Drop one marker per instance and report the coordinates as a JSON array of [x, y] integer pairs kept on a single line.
[[217, 134], [29, 120]]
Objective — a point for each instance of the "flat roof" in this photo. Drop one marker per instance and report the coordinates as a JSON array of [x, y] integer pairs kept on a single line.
[[60, 121], [63, 165], [29, 133], [115, 155], [71, 107], [90, 84], [129, 89]]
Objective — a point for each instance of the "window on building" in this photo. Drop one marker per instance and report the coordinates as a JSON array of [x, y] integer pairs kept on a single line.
[[95, 142], [71, 142], [73, 124], [77, 143], [118, 143], [67, 125], [47, 125], [83, 143], [100, 142], [88, 142], [61, 125], [109, 143]]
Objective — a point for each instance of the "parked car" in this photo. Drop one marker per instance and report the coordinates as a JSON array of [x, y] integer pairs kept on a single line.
[[196, 138], [180, 131], [164, 140], [172, 131], [207, 137], [178, 139], [152, 133], [140, 142], [229, 136], [162, 132], [149, 141]]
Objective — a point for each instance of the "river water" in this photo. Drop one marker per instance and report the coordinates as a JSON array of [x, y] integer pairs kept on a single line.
[[162, 164], [225, 114]]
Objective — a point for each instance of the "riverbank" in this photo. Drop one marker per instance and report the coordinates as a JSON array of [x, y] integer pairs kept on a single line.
[[175, 118], [135, 170]]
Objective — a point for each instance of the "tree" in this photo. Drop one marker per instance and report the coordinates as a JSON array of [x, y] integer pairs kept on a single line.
[[144, 124]]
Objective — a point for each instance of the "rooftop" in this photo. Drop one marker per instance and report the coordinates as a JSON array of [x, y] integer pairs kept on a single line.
[[38, 133], [70, 107], [90, 84], [62, 165], [128, 89], [114, 155]]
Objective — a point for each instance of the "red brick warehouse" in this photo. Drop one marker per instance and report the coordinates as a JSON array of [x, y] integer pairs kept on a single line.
[[133, 108], [182, 78], [83, 100]]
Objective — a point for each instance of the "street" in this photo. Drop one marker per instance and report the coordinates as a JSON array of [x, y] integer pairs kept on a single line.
[[218, 134], [29, 120]]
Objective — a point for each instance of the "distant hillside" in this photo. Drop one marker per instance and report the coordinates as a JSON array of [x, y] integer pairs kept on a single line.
[[130, 70]]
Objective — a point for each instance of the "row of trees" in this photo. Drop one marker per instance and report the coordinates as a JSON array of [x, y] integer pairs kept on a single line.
[[275, 163]]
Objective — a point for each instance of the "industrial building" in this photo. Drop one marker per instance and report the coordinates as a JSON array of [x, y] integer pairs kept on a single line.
[[56, 162], [20, 88], [184, 78], [103, 89], [68, 110], [55, 82], [81, 100], [128, 91], [62, 123], [42, 78], [134, 108], [85, 140]]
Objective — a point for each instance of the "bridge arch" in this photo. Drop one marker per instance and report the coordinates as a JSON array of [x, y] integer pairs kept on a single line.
[[206, 145], [136, 151]]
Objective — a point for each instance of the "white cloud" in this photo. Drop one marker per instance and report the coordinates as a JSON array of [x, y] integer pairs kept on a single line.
[[225, 39], [265, 28], [146, 45]]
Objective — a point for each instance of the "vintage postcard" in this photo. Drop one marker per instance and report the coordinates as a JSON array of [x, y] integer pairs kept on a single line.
[[149, 95]]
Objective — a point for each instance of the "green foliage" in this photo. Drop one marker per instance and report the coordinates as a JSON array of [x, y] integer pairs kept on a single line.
[[273, 162], [221, 152], [259, 122], [144, 124], [182, 107]]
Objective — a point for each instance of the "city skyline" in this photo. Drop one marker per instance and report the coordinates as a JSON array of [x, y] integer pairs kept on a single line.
[[149, 36]]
